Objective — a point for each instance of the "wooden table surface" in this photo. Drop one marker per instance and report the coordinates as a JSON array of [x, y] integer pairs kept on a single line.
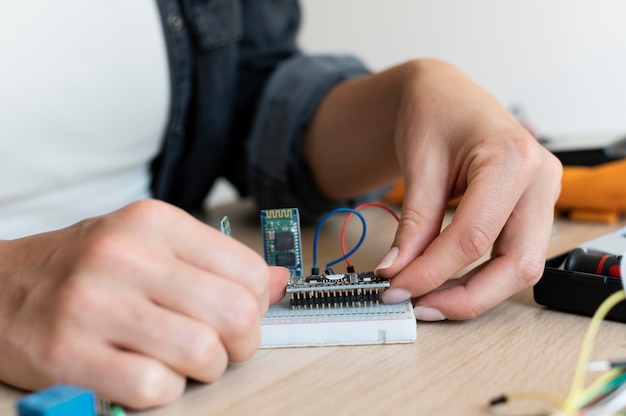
[[454, 368]]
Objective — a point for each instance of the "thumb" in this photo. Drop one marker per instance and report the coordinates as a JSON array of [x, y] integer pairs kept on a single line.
[[278, 283]]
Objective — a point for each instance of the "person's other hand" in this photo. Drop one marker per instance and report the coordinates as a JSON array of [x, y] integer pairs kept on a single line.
[[130, 304], [452, 139]]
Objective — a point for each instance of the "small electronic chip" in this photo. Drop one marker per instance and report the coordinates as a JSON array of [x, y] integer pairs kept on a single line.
[[225, 226], [335, 290], [286, 259], [284, 241], [281, 238]]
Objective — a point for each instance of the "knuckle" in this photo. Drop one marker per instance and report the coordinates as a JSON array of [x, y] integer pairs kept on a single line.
[[155, 387], [260, 286], [530, 271], [203, 349], [519, 150], [475, 242], [247, 349], [468, 310], [524, 152], [430, 279], [472, 312], [553, 165], [244, 316], [412, 216], [211, 367], [412, 219], [554, 172], [259, 280], [145, 207], [150, 212], [217, 367], [101, 246]]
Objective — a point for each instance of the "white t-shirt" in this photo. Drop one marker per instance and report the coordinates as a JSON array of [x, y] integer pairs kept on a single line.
[[84, 102]]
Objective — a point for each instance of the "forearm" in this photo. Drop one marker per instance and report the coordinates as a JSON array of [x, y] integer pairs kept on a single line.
[[351, 136]]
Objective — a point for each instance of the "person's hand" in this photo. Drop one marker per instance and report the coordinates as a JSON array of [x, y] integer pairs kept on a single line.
[[454, 139], [130, 304], [426, 122]]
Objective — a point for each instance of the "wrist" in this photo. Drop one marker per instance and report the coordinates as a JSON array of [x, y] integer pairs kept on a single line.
[[5, 258], [351, 132]]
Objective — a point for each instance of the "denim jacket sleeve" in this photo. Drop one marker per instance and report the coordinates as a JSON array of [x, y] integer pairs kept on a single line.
[[277, 174], [242, 95]]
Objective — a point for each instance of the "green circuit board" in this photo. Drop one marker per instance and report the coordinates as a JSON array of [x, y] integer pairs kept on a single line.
[[281, 238]]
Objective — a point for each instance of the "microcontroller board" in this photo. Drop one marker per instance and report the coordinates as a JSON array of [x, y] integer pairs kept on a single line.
[[335, 290]]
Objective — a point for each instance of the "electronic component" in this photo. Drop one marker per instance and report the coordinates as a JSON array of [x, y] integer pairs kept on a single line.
[[335, 290], [59, 400], [326, 309], [66, 400], [281, 238], [569, 286], [105, 408], [225, 226], [597, 262]]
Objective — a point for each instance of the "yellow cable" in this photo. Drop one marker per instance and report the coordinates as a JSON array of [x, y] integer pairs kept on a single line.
[[585, 351], [545, 396], [590, 392], [578, 395]]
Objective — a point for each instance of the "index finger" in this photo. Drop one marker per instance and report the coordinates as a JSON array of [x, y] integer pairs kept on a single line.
[[176, 232], [493, 191], [517, 261]]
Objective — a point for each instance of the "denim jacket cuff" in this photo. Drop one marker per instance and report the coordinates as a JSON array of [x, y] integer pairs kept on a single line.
[[277, 175]]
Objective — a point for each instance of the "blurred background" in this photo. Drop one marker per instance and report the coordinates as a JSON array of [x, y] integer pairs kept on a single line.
[[563, 61]]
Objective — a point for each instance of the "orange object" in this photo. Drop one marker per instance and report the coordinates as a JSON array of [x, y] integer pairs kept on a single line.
[[396, 194], [588, 193], [596, 193]]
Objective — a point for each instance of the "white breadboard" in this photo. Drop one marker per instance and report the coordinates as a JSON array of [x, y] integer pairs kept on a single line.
[[381, 324]]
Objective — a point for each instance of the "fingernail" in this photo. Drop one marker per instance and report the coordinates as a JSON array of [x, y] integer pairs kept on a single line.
[[389, 259], [424, 313], [395, 295]]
